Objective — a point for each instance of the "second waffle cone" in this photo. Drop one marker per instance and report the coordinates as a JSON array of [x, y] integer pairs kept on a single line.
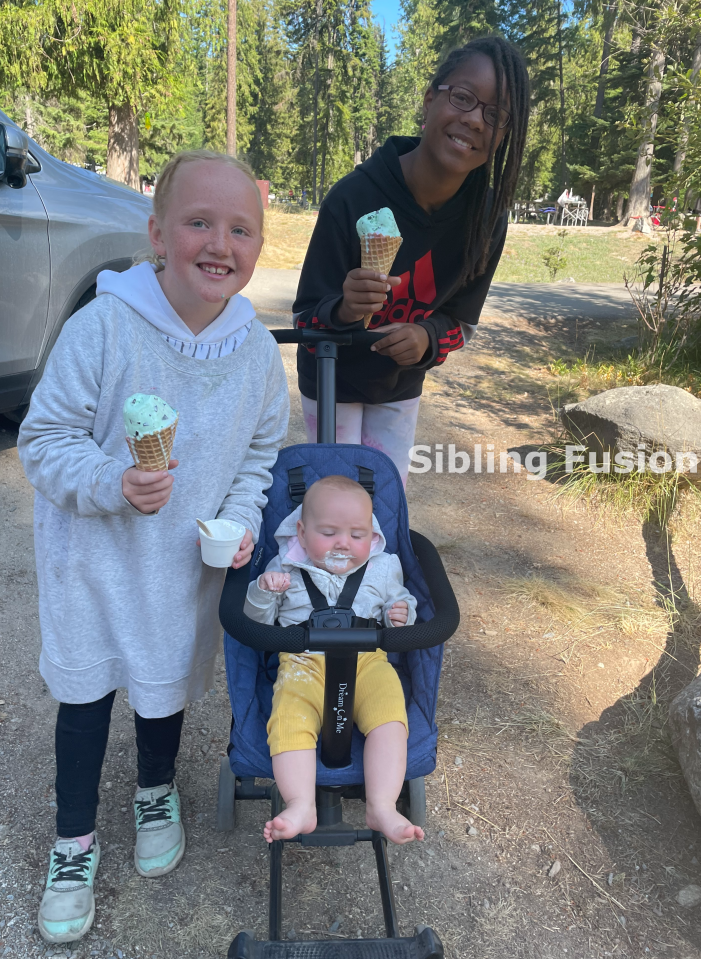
[[378, 253]]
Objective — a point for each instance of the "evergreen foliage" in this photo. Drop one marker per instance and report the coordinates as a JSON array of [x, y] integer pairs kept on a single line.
[[317, 90]]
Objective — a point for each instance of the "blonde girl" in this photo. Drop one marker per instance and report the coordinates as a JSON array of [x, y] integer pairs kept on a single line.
[[124, 598]]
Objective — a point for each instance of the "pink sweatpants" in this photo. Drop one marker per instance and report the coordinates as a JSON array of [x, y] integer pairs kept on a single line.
[[389, 427]]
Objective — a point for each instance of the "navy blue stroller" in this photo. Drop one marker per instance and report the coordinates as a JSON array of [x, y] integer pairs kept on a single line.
[[251, 664]]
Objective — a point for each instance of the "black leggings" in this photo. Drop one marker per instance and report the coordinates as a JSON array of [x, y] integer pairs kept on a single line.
[[81, 741]]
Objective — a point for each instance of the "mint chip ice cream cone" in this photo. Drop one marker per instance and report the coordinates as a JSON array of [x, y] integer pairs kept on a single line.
[[380, 240], [150, 425]]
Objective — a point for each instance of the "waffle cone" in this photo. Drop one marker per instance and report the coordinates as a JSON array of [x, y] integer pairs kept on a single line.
[[378, 253], [152, 453]]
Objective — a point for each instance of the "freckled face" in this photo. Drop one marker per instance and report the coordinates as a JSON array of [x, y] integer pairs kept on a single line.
[[210, 233], [337, 521], [459, 142]]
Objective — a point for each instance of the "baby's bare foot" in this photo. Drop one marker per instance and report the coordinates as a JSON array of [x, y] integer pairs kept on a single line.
[[297, 817], [393, 825]]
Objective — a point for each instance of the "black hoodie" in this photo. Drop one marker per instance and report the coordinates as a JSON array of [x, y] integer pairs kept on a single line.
[[429, 262]]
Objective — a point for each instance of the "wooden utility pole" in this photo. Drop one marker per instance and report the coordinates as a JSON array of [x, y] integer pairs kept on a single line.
[[231, 81], [560, 58], [319, 10]]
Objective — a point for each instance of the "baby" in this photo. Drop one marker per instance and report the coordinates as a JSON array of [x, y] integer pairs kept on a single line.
[[330, 535]]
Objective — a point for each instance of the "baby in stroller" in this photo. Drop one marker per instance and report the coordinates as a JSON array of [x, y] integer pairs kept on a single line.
[[332, 549]]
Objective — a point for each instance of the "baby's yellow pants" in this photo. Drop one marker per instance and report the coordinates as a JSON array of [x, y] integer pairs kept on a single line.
[[298, 699]]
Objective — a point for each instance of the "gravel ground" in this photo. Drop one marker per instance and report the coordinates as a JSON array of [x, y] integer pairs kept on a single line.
[[551, 831]]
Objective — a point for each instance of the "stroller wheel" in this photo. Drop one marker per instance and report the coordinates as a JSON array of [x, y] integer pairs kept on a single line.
[[226, 797], [417, 801]]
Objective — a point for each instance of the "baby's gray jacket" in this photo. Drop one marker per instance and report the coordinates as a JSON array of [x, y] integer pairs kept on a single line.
[[382, 585]]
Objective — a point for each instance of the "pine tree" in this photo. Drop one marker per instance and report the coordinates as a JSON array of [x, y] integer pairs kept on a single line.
[[120, 51]]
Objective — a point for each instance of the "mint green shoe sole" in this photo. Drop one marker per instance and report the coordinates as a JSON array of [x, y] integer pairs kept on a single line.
[[161, 865], [68, 931]]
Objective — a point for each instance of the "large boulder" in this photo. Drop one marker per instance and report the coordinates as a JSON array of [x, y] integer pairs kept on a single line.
[[658, 417], [685, 722]]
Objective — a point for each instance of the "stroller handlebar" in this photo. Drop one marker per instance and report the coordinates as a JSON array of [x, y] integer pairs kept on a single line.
[[340, 337], [297, 639]]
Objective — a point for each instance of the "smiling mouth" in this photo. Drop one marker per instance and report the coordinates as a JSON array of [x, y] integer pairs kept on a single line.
[[462, 143], [213, 270]]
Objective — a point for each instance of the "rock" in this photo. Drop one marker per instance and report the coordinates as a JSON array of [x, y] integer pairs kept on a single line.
[[657, 417], [472, 831], [554, 869], [458, 760], [685, 723], [689, 896], [535, 847]]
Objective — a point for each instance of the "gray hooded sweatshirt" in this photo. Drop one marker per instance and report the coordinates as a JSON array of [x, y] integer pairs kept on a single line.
[[124, 598], [382, 585]]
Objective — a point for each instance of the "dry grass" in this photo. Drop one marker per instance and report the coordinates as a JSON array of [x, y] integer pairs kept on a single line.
[[286, 239], [497, 926], [191, 927], [538, 722], [587, 606]]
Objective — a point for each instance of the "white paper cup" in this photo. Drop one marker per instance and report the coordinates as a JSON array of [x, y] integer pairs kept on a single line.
[[220, 548]]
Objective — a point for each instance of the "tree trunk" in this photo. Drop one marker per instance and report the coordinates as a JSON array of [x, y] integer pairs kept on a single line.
[[231, 81], [29, 118], [319, 11], [639, 200], [327, 120], [324, 145], [123, 145], [684, 135], [620, 200], [610, 17], [563, 151]]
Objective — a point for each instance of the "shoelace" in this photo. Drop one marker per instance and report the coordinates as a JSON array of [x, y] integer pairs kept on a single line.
[[71, 870], [157, 811]]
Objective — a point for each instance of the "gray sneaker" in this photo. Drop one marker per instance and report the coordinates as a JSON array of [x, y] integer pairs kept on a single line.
[[160, 838], [67, 908]]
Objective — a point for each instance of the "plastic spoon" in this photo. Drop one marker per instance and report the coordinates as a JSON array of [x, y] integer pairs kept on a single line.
[[204, 528]]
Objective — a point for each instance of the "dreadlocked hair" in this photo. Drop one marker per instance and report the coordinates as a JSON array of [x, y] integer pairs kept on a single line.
[[502, 168]]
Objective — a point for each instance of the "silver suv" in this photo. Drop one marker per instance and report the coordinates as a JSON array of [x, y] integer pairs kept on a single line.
[[59, 226]]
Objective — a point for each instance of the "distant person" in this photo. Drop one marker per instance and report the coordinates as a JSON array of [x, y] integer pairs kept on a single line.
[[124, 598], [449, 191]]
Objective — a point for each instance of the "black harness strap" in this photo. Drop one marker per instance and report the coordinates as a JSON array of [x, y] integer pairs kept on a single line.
[[295, 484], [348, 593], [366, 478]]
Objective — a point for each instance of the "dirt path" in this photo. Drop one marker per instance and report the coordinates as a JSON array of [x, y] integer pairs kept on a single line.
[[553, 746]]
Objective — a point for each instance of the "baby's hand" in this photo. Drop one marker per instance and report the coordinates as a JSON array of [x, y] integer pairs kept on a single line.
[[275, 582], [399, 613]]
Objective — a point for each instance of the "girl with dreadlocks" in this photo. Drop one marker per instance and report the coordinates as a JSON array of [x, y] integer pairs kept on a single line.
[[449, 191]]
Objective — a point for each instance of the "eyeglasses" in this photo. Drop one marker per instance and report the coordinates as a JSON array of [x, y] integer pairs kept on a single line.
[[466, 101]]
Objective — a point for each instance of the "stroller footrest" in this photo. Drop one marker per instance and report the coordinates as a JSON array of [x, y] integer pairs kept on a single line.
[[424, 945]]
